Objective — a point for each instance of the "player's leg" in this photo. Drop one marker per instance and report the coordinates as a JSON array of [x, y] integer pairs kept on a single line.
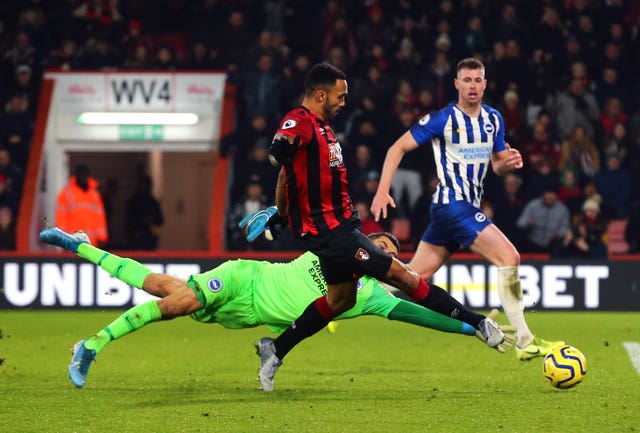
[[494, 246], [179, 303], [125, 269], [340, 297], [428, 258], [437, 299]]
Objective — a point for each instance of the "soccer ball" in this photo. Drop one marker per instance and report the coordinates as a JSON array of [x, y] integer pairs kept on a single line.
[[564, 367]]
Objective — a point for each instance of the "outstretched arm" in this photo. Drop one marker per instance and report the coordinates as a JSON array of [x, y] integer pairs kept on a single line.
[[406, 143]]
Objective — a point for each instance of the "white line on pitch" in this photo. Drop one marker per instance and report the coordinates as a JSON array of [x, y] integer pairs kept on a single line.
[[634, 353]]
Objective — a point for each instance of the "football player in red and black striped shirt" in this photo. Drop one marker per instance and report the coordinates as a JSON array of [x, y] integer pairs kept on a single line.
[[312, 193]]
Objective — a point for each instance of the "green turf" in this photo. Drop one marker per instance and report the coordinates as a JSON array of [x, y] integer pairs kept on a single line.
[[371, 376]]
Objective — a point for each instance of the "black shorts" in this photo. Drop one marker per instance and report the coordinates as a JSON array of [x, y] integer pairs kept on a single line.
[[346, 254]]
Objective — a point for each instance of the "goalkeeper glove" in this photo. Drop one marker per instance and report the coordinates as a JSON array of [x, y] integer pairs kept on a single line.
[[508, 330], [263, 221], [283, 151]]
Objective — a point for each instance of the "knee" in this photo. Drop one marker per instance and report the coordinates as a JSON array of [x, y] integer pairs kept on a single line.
[[509, 257]]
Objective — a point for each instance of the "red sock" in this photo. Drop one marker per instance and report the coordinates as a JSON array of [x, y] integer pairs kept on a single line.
[[421, 291], [324, 309]]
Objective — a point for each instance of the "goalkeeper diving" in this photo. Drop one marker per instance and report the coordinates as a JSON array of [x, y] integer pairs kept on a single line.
[[242, 294]]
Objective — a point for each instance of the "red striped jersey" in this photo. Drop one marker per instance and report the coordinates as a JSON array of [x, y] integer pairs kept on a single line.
[[316, 177]]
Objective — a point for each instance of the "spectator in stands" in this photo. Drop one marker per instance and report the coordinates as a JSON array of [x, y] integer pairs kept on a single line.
[[140, 58], [251, 200], [263, 89], [475, 38], [569, 191], [99, 54], [508, 206], [545, 221], [360, 164], [241, 142], [13, 173], [7, 229], [612, 113], [374, 30], [406, 61], [16, 129], [234, 40], [257, 164], [79, 207], [7, 197], [512, 70], [609, 87], [202, 58], [65, 56], [579, 152], [164, 59], [618, 142], [425, 102], [134, 38], [264, 46], [540, 146], [439, 75], [614, 185], [22, 52], [515, 126], [144, 217], [541, 179], [26, 84], [407, 181], [340, 35], [575, 106], [584, 240]]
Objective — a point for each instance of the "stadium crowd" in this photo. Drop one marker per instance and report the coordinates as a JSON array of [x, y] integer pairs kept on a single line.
[[565, 75]]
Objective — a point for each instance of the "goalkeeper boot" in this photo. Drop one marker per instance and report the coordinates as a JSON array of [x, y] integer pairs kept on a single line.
[[80, 363], [491, 332], [70, 242], [538, 347], [269, 363]]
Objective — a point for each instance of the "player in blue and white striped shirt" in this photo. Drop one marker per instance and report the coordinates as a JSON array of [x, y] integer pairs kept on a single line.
[[467, 139]]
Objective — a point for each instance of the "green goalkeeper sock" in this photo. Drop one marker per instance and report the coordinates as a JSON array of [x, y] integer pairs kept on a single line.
[[418, 315], [124, 269], [134, 319]]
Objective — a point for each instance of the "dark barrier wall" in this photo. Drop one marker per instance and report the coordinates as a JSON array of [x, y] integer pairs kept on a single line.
[[54, 283]]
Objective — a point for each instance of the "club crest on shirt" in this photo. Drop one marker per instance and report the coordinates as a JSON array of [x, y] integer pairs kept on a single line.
[[362, 255], [288, 124], [335, 154], [215, 285], [488, 128]]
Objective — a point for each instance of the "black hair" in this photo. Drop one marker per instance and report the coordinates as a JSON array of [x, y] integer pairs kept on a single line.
[[322, 75], [394, 240]]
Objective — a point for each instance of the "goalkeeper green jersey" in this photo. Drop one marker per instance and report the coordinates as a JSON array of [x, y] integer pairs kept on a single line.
[[246, 293]]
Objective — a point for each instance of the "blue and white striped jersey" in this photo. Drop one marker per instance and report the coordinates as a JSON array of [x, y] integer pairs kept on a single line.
[[462, 147]]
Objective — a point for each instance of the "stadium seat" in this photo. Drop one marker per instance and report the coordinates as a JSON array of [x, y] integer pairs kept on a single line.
[[615, 236]]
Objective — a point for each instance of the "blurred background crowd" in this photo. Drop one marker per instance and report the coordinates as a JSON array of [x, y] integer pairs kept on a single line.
[[564, 73]]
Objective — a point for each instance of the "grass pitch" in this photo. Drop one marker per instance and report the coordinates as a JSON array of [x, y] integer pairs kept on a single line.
[[371, 376]]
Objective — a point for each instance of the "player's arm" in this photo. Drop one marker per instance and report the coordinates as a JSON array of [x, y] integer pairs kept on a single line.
[[382, 199], [506, 161], [281, 194]]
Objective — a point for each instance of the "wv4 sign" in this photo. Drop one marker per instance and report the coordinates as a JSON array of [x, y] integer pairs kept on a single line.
[[148, 92]]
